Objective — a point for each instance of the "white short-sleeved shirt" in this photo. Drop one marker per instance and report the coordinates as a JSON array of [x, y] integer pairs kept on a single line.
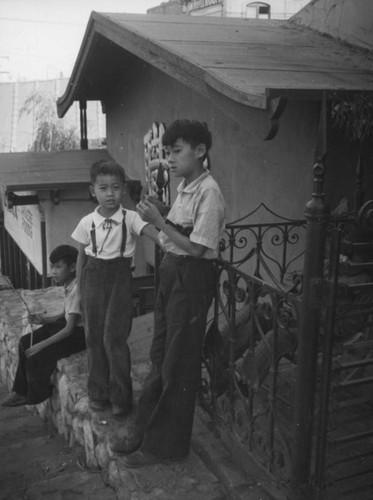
[[199, 205], [109, 242], [72, 302]]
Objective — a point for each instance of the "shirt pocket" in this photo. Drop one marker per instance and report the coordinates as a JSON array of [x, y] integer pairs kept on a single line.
[[184, 213]]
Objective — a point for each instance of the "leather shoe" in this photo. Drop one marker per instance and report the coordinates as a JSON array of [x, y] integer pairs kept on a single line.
[[140, 458], [125, 444], [15, 399], [98, 405], [120, 411]]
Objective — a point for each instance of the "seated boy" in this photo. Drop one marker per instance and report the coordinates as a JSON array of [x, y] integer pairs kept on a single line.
[[40, 351]]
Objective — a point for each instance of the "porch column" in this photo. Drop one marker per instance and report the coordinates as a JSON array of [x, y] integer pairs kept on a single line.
[[316, 213], [83, 125]]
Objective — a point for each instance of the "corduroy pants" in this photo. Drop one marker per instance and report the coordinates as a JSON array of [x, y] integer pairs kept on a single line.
[[107, 311], [166, 407]]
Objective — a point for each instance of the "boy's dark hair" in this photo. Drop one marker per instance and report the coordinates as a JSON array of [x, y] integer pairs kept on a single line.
[[107, 167], [191, 131], [66, 253]]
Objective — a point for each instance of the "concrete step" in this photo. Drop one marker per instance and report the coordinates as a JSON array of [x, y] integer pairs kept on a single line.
[[34, 458], [242, 481]]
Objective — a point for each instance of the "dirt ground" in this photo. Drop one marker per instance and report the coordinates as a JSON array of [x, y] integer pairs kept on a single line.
[[36, 464]]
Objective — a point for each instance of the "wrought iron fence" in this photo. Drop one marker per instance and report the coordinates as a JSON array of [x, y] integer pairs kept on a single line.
[[252, 337], [343, 465], [272, 251]]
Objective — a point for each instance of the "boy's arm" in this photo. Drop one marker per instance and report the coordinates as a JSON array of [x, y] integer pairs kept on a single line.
[[151, 232], [149, 213], [66, 331], [80, 263], [40, 319]]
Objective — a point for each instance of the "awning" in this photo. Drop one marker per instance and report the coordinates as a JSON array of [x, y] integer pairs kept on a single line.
[[48, 171], [249, 61]]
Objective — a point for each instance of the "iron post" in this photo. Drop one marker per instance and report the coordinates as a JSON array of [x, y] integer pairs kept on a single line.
[[83, 125], [44, 255], [316, 213]]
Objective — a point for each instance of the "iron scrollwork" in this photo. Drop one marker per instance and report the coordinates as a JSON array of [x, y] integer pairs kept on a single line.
[[252, 338]]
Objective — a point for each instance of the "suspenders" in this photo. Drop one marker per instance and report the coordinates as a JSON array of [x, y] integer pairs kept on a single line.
[[124, 236]]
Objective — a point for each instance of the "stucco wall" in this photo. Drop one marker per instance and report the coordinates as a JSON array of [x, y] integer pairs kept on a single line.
[[248, 169], [349, 20]]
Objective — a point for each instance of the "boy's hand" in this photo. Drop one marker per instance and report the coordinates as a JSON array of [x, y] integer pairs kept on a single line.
[[162, 207], [150, 213], [31, 351]]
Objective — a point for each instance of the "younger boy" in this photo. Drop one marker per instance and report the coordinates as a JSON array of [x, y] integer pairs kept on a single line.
[[190, 236], [53, 341], [106, 240]]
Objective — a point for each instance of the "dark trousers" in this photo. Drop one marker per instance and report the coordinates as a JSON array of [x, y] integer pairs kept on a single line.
[[107, 311], [33, 374], [166, 407]]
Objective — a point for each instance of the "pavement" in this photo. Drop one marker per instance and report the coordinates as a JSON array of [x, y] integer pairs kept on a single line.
[[36, 464]]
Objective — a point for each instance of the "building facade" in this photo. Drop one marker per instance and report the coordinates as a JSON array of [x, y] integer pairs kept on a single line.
[[270, 9]]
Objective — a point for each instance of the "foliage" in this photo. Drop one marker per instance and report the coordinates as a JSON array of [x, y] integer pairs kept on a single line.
[[51, 134], [354, 117]]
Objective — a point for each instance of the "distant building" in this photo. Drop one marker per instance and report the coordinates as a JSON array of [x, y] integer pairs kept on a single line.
[[17, 132], [270, 9], [171, 7]]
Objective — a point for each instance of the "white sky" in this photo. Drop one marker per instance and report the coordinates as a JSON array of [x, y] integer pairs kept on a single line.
[[39, 39]]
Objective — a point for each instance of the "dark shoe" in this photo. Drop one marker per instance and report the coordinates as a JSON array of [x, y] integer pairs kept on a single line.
[[125, 444], [120, 411], [98, 405], [140, 459], [15, 399]]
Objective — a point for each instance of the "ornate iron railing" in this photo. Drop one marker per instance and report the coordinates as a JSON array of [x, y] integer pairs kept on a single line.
[[344, 445], [251, 339], [272, 251]]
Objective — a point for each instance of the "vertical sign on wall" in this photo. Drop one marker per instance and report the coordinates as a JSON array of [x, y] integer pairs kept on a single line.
[[157, 174], [23, 223]]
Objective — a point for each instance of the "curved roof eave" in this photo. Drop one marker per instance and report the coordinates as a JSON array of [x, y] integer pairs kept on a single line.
[[249, 61], [182, 68]]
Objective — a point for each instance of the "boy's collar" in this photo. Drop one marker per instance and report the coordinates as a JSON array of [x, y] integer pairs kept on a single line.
[[100, 219], [69, 286], [192, 186]]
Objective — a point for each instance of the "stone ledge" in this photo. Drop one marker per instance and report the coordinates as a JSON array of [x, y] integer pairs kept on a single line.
[[80, 426]]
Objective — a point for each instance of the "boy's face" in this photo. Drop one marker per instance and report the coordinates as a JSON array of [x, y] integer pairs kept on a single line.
[[183, 159], [62, 272], [108, 189]]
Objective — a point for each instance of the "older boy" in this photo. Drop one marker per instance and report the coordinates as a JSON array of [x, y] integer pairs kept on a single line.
[[55, 340], [190, 237]]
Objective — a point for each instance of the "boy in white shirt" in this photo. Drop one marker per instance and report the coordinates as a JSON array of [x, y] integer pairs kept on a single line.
[[107, 245], [190, 237]]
